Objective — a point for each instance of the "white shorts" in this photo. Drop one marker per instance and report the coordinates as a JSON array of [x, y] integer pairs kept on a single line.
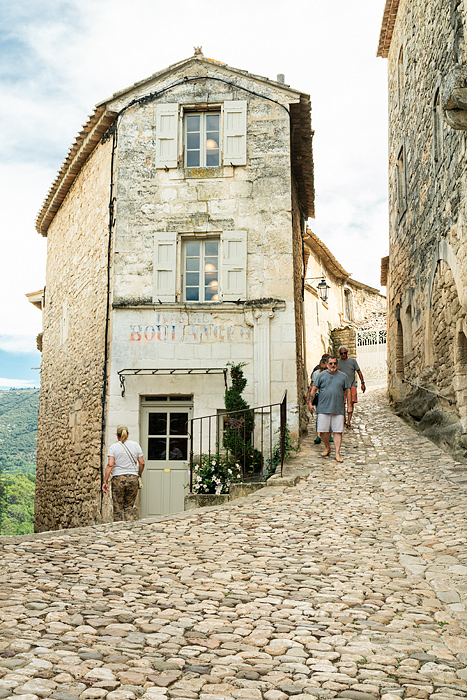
[[330, 423]]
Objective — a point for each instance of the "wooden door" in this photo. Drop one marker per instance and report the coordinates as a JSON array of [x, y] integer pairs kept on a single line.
[[165, 443]]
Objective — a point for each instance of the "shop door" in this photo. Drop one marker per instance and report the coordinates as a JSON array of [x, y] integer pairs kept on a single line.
[[165, 443]]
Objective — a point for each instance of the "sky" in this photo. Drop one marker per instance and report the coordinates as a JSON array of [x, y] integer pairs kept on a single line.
[[60, 57]]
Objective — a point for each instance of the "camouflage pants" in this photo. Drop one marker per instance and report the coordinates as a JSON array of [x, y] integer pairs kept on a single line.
[[124, 492]]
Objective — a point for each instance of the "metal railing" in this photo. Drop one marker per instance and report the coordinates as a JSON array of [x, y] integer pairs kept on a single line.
[[429, 391], [253, 439]]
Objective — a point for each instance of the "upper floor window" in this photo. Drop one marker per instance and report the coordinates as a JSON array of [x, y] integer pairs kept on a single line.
[[348, 305], [438, 126], [202, 139], [210, 138], [401, 191], [201, 270], [400, 75]]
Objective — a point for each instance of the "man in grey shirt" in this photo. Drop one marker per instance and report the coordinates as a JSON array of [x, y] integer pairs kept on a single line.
[[334, 390], [349, 366]]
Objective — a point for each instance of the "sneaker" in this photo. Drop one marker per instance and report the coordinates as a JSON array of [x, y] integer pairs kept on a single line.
[[317, 440]]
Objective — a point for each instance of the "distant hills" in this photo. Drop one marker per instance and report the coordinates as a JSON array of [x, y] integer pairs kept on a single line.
[[18, 431], [18, 437]]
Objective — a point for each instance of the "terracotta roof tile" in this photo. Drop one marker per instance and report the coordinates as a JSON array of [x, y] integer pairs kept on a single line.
[[387, 27]]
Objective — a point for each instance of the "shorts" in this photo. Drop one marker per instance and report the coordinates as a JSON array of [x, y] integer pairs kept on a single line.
[[330, 423], [353, 394]]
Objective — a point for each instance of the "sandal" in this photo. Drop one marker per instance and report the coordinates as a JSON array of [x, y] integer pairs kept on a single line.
[[339, 459], [325, 454]]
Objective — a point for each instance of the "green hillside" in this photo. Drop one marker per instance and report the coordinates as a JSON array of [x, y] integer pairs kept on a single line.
[[18, 433]]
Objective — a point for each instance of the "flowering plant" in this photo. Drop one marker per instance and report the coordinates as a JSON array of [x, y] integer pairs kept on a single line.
[[215, 473]]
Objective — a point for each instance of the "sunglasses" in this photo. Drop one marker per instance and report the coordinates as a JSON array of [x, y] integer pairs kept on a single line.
[[332, 364]]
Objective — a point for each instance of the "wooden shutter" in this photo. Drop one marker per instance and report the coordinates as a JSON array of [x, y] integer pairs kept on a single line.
[[165, 262], [234, 258], [235, 133], [167, 135]]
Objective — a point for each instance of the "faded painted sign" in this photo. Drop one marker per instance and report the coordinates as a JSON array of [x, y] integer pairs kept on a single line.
[[187, 328]]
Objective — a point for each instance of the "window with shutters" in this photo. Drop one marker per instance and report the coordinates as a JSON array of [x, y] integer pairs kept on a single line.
[[213, 269], [202, 139], [211, 138], [201, 279]]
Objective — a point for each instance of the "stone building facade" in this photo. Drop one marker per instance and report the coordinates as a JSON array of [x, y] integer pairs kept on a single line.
[[424, 42], [175, 245]]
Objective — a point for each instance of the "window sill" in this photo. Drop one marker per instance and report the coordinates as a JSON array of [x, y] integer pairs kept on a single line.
[[201, 173], [217, 306]]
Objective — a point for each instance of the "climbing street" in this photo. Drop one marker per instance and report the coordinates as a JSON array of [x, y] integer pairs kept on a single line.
[[351, 583]]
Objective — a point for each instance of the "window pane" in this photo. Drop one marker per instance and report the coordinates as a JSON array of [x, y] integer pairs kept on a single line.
[[212, 122], [178, 449], [192, 279], [192, 264], [192, 248], [157, 423], [212, 139], [192, 159], [157, 448], [211, 293], [192, 293], [210, 263], [178, 423], [211, 248], [192, 122], [212, 158], [192, 141]]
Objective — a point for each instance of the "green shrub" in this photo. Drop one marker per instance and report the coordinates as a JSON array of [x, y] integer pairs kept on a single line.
[[239, 428]]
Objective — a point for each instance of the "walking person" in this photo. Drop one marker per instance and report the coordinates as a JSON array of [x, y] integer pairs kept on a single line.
[[126, 464], [334, 392], [312, 404], [349, 366]]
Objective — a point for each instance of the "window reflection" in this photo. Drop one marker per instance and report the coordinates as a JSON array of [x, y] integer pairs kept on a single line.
[[178, 423], [157, 448]]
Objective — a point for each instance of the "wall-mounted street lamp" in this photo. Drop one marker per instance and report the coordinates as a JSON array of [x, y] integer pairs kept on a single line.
[[322, 287]]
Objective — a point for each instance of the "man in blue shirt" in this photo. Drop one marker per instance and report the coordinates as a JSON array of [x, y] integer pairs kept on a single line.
[[334, 392]]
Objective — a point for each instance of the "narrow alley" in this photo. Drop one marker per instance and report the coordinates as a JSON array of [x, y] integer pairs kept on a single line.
[[351, 584]]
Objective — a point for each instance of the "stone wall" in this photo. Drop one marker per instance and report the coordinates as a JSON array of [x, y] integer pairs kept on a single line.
[[298, 228], [428, 251], [69, 431], [345, 336], [368, 303]]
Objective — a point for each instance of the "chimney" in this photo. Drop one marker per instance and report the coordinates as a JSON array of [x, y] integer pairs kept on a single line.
[[280, 78]]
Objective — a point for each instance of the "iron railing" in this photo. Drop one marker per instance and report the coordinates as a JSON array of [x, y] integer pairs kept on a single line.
[[253, 438]]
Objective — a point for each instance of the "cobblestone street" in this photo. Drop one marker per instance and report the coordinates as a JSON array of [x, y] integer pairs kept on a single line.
[[350, 584]]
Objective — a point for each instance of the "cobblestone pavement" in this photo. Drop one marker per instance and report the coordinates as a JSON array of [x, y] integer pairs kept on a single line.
[[350, 585]]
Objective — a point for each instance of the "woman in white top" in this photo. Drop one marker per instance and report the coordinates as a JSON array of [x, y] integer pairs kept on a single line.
[[126, 464]]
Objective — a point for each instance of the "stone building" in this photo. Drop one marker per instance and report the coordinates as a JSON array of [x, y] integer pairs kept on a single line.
[[174, 245], [352, 314], [424, 42]]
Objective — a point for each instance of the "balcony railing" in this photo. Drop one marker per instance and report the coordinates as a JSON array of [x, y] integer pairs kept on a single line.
[[253, 439]]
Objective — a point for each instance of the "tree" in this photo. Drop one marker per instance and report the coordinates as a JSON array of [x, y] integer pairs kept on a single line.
[[238, 433]]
